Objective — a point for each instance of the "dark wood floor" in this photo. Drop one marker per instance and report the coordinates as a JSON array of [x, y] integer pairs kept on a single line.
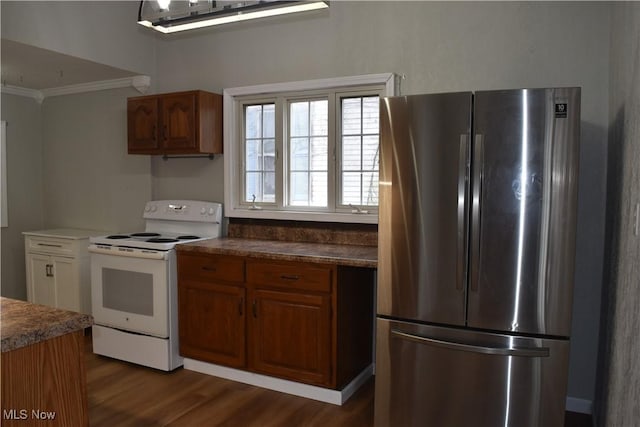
[[123, 394]]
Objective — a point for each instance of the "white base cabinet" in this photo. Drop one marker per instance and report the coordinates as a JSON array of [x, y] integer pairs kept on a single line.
[[57, 264]]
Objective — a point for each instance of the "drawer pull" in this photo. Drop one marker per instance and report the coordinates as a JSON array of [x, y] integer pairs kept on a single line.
[[289, 277], [49, 245], [255, 309], [213, 269]]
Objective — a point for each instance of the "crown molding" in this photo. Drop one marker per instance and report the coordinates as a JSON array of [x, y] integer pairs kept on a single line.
[[140, 83], [37, 95]]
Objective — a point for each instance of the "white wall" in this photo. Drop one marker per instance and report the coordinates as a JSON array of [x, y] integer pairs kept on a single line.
[[438, 47]]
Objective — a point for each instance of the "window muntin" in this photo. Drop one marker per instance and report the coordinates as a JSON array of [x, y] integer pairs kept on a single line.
[[259, 153], [360, 150], [308, 159]]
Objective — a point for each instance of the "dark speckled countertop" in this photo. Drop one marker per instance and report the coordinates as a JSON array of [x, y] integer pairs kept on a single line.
[[349, 255], [23, 323]]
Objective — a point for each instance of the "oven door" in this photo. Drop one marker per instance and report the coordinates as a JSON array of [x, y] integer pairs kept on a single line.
[[132, 292]]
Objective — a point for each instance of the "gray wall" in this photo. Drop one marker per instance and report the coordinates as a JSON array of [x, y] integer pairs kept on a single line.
[[437, 46], [619, 370], [101, 31], [89, 179], [24, 187]]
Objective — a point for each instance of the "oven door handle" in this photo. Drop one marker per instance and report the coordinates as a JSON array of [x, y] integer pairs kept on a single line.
[[128, 252]]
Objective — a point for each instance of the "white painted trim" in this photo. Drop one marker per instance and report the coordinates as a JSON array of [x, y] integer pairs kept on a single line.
[[336, 397], [140, 83], [23, 91], [135, 81], [582, 406], [232, 207]]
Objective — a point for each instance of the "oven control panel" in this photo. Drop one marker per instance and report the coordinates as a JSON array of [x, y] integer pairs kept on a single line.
[[183, 210]]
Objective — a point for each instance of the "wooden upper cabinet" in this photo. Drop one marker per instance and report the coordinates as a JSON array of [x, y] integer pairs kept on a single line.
[[142, 125], [175, 123]]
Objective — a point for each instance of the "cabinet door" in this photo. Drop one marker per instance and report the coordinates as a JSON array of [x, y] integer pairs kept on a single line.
[[40, 280], [212, 322], [142, 126], [179, 121], [66, 283], [290, 336]]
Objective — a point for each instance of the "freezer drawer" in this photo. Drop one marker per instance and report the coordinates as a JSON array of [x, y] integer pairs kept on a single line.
[[432, 376]]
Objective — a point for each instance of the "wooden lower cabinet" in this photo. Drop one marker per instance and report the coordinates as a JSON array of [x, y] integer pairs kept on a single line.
[[290, 335], [212, 322], [306, 322]]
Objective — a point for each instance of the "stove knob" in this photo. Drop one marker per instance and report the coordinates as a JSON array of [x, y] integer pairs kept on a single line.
[[154, 208], [211, 211], [203, 211], [147, 208]]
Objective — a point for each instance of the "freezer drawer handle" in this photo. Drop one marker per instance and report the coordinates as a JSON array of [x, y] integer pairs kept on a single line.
[[498, 351]]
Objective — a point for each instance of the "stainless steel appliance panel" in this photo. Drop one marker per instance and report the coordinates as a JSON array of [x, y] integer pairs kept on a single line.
[[451, 377], [524, 173], [423, 220]]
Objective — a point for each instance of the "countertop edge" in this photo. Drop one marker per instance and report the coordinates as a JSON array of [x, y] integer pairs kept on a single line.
[[44, 326], [273, 254]]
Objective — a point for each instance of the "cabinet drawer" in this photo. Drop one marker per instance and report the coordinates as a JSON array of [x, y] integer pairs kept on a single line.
[[211, 267], [308, 277], [50, 245]]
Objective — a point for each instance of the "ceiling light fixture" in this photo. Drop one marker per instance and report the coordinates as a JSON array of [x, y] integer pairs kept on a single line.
[[174, 16]]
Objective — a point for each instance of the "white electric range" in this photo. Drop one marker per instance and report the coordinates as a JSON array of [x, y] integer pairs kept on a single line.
[[134, 282]]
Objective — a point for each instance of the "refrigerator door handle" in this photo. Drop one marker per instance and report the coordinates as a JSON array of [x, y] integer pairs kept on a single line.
[[476, 211], [497, 351], [462, 210]]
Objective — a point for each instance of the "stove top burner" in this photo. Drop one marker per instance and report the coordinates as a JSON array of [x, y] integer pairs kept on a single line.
[[118, 236], [145, 234], [162, 240], [187, 237]]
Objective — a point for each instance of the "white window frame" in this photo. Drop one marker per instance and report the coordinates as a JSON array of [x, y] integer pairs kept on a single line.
[[233, 170]]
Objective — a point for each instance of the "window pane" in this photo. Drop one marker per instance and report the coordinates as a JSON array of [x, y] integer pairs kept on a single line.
[[360, 150], [253, 186], [351, 155], [319, 154], [299, 158], [269, 121], [351, 116], [351, 188], [253, 155], [319, 118], [299, 189], [269, 187], [269, 155], [318, 189], [370, 115], [299, 118], [370, 188], [370, 152], [253, 121]]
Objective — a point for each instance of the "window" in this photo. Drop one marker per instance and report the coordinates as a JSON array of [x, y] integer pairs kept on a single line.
[[304, 150]]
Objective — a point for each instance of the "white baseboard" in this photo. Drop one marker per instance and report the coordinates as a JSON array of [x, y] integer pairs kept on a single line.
[[336, 397], [582, 406]]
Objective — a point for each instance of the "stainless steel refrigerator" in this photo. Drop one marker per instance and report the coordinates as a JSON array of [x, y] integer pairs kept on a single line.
[[476, 257]]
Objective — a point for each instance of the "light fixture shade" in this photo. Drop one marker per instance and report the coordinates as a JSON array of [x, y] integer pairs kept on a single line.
[[189, 14]]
